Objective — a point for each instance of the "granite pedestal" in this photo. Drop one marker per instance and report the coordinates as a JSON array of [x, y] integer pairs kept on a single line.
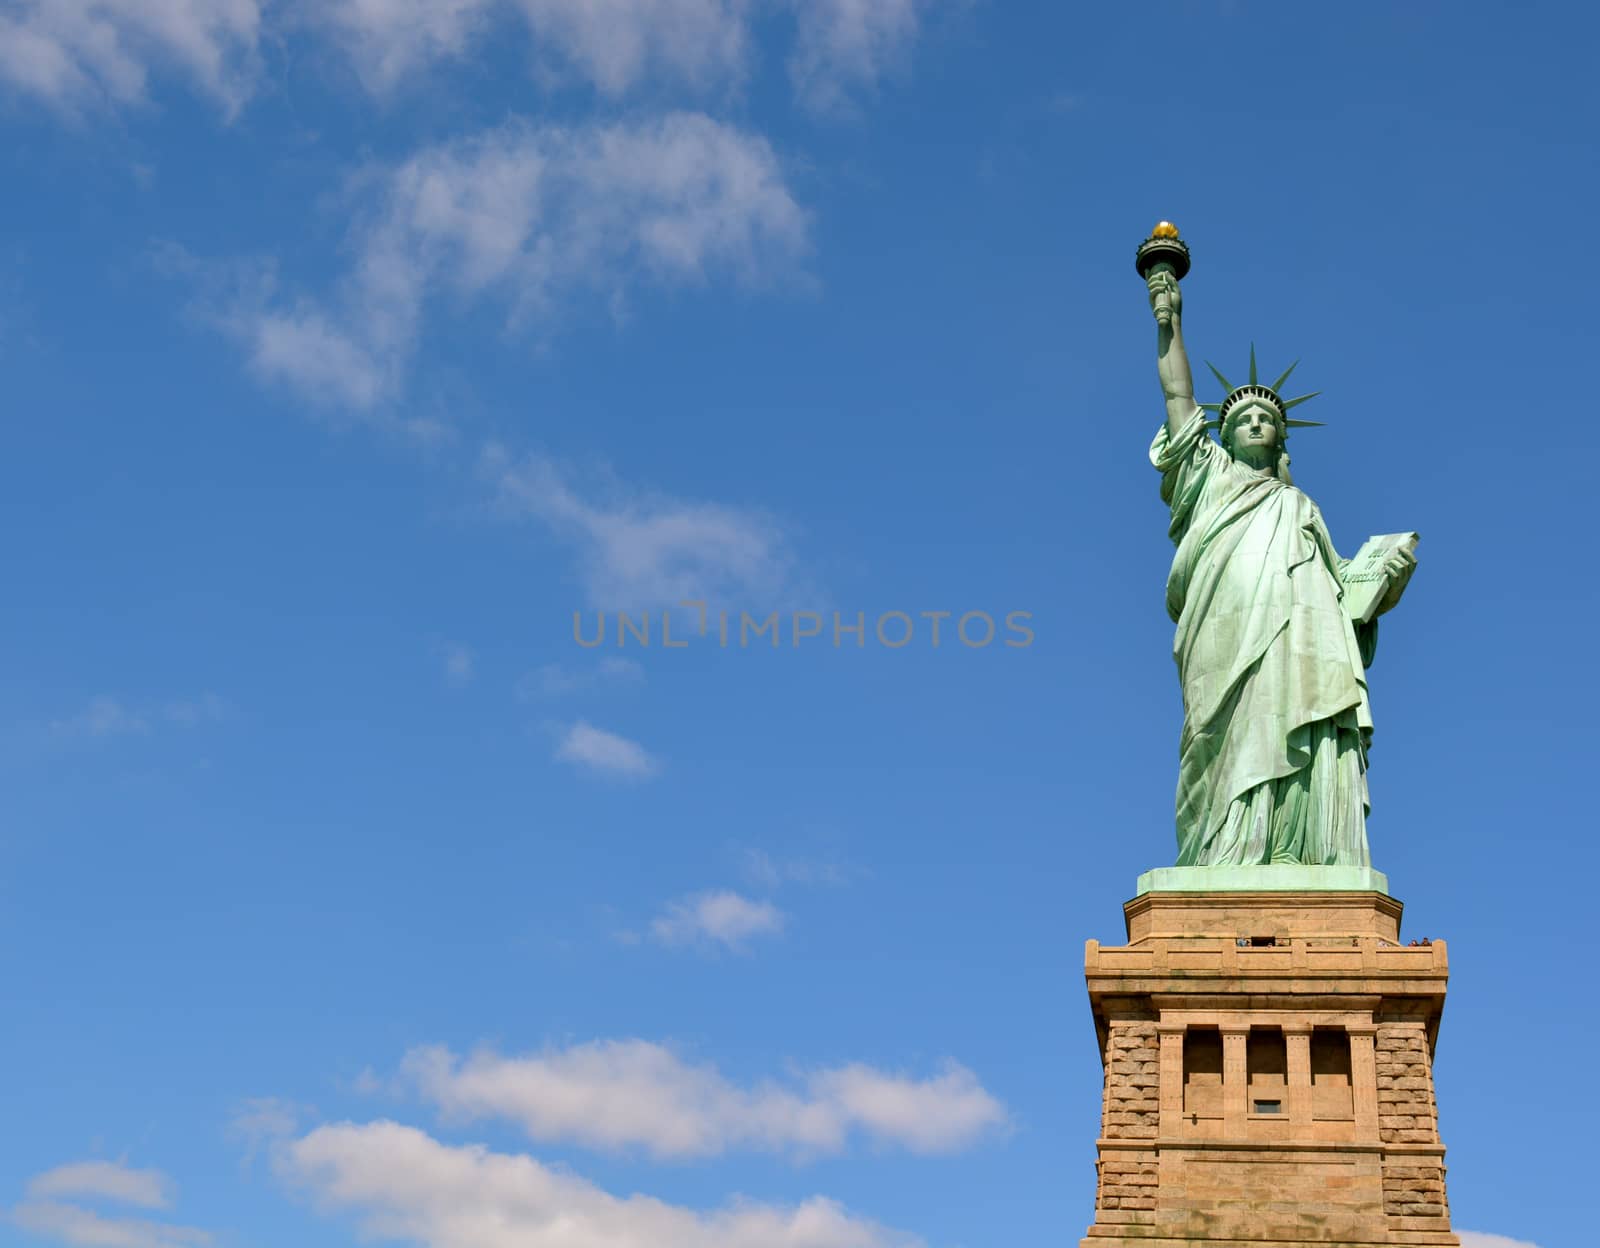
[[1268, 1059]]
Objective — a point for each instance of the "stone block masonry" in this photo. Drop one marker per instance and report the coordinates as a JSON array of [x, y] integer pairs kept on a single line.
[[1268, 1074]]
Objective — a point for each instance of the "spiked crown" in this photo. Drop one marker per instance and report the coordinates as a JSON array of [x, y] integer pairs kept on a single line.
[[1253, 389]]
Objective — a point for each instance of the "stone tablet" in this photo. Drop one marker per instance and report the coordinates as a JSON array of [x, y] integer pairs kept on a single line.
[[1365, 576]]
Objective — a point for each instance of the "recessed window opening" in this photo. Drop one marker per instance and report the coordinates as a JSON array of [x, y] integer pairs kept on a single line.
[[1202, 1072], [1330, 1057], [1332, 1097], [1266, 1064]]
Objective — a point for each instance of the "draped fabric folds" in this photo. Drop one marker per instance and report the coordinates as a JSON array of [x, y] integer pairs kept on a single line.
[[1273, 755]]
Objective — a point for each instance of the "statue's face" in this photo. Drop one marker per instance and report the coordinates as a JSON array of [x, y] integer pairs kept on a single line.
[[1254, 423], [1253, 432]]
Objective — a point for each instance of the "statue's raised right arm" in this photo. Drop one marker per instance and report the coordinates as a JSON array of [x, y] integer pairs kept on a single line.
[[1177, 383]]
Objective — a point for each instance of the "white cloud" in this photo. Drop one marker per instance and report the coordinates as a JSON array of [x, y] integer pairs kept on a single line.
[[762, 869], [404, 1184], [1483, 1239], [78, 54], [722, 918], [458, 664], [618, 46], [44, 1212], [324, 360], [845, 44], [389, 39], [83, 1228], [633, 1094], [606, 753], [264, 1120], [107, 716], [938, 1115], [531, 216], [641, 550], [207, 708], [555, 679], [106, 1180], [612, 45]]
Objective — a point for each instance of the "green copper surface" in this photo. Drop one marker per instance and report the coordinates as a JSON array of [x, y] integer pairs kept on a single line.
[[1256, 879], [1277, 719]]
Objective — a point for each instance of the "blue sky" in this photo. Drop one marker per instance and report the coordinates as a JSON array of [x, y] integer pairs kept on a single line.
[[350, 348]]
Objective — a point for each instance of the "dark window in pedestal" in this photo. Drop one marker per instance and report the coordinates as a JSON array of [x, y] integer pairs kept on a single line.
[[1331, 1095], [1202, 1073], [1266, 1063]]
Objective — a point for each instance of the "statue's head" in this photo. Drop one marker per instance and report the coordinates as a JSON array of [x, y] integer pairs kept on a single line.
[[1252, 422]]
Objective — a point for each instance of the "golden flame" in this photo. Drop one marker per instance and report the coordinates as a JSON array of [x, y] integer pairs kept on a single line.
[[1164, 229]]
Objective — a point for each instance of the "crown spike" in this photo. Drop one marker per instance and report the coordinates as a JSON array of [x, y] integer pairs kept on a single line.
[[1278, 385], [1304, 424], [1253, 380], [1288, 403], [1227, 385]]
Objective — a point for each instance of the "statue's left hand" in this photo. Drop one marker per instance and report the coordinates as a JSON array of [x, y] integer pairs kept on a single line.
[[1398, 568], [1166, 299]]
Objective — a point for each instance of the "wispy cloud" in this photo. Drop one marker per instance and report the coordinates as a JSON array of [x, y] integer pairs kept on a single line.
[[1483, 1239], [458, 664], [404, 1184], [716, 918], [388, 40], [76, 55], [107, 1180], [107, 716], [46, 1212], [617, 44], [530, 216], [841, 47], [762, 869], [643, 549], [618, 1095], [265, 1120], [847, 45], [554, 680], [606, 754], [206, 708], [612, 46], [84, 1228]]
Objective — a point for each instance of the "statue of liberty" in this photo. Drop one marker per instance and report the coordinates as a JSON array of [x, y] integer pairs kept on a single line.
[[1273, 755]]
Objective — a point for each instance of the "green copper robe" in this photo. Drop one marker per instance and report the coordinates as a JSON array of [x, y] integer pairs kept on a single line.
[[1273, 756]]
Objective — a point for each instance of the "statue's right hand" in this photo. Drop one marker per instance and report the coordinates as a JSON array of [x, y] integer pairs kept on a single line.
[[1162, 283]]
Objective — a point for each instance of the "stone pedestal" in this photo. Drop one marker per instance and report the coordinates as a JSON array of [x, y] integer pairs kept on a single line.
[[1268, 1062]]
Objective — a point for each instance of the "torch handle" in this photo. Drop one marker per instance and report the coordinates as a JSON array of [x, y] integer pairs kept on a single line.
[[1163, 304]]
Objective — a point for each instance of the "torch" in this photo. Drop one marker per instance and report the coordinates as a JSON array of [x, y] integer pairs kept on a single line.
[[1163, 250]]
